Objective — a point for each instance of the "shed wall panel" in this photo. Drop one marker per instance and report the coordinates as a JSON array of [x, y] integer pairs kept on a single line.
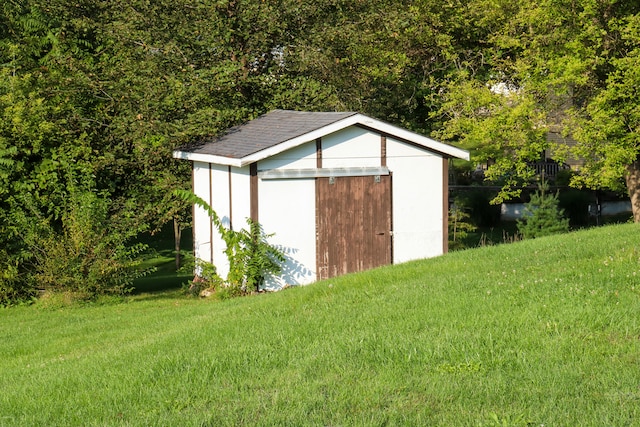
[[220, 202], [240, 198], [302, 157], [417, 201], [351, 147], [287, 208], [202, 225]]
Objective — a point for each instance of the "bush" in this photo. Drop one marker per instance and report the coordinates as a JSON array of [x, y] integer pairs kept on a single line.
[[459, 228], [13, 289], [250, 256], [86, 254], [542, 216]]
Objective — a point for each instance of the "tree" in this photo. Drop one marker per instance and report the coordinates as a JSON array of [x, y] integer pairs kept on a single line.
[[542, 216], [504, 128], [572, 65], [609, 127], [89, 254]]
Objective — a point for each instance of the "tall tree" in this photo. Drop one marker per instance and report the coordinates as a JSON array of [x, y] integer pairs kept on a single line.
[[569, 63], [608, 128]]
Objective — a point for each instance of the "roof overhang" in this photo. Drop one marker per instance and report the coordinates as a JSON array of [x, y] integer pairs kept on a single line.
[[357, 119]]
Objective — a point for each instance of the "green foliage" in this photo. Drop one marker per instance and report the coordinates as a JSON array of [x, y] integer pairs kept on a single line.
[[500, 124], [459, 227], [87, 254], [251, 257], [13, 288], [207, 277], [541, 216], [567, 66]]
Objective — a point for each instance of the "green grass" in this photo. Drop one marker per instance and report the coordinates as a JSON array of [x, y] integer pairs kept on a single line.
[[543, 332], [507, 231], [164, 278], [161, 256]]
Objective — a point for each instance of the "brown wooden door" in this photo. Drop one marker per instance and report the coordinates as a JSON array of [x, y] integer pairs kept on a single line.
[[353, 224]]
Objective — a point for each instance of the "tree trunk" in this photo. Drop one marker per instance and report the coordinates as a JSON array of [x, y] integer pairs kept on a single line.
[[633, 186], [177, 234]]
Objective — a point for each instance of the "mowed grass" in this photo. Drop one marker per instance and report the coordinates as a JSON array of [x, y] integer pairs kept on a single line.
[[543, 332]]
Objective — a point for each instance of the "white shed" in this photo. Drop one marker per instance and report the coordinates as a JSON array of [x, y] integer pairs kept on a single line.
[[342, 192]]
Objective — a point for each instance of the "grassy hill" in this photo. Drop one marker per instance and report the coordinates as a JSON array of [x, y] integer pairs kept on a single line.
[[543, 332]]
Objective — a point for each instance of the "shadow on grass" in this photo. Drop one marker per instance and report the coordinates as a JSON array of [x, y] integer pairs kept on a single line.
[[164, 279]]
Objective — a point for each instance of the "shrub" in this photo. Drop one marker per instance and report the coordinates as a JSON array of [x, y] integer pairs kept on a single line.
[[13, 288], [251, 257], [207, 278], [86, 254], [542, 216], [459, 228]]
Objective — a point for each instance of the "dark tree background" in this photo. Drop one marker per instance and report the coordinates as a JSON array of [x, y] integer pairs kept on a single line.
[[95, 95]]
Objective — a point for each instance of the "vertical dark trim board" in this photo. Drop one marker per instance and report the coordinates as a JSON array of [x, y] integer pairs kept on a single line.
[[445, 205], [391, 214], [319, 153], [210, 221], [383, 150], [193, 207], [229, 175], [253, 191]]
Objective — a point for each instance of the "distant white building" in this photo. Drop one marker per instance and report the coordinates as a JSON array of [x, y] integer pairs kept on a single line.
[[342, 192]]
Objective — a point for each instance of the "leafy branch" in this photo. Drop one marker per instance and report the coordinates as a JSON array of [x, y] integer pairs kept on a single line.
[[251, 257]]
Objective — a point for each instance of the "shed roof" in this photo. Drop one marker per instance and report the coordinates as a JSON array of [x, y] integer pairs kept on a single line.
[[280, 130], [266, 131]]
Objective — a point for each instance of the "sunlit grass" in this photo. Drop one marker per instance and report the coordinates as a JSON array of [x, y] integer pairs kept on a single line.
[[542, 332]]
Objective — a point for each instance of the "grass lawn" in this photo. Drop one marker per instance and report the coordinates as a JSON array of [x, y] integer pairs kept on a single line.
[[507, 231], [542, 332], [162, 256]]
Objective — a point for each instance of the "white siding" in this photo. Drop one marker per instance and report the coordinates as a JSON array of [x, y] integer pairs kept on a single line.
[[241, 190], [220, 203], [220, 192], [302, 157], [417, 201], [351, 147], [208, 244], [202, 226], [235, 214], [287, 208]]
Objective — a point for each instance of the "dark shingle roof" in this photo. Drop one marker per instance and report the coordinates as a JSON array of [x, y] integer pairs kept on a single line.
[[266, 131]]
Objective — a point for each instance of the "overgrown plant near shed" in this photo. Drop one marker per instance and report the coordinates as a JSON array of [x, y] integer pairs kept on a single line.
[[84, 254], [251, 257]]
